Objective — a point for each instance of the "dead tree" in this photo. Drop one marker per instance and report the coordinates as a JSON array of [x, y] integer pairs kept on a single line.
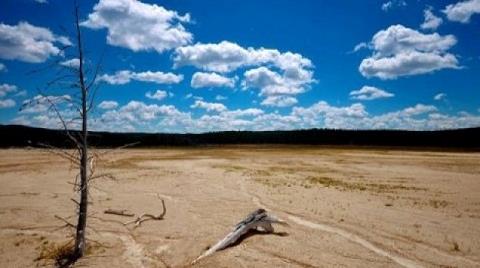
[[75, 77], [83, 204], [255, 220]]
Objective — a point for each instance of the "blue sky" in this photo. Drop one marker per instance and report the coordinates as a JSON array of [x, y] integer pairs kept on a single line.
[[195, 66]]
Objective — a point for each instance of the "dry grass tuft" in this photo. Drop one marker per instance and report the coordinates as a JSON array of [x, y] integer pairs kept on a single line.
[[438, 203], [63, 254], [60, 253], [360, 186]]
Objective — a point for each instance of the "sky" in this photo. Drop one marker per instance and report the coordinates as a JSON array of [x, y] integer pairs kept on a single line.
[[198, 66]]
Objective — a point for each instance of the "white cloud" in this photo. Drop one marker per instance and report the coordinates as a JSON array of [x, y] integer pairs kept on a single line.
[[220, 98], [279, 89], [227, 56], [41, 1], [7, 103], [462, 11], [138, 116], [400, 51], [440, 96], [158, 95], [72, 63], [392, 4], [418, 109], [136, 112], [41, 103], [21, 93], [360, 46], [209, 106], [355, 116], [272, 83], [139, 26], [29, 43], [261, 77], [200, 80], [276, 74], [6, 88], [279, 101], [370, 93], [125, 76], [108, 105], [322, 108], [3, 68], [431, 21]]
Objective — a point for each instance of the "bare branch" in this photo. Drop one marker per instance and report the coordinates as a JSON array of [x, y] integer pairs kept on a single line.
[[63, 153], [122, 212], [145, 217], [68, 224], [118, 148]]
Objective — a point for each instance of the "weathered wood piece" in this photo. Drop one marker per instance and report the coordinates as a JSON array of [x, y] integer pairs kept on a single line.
[[255, 220], [145, 217], [119, 212]]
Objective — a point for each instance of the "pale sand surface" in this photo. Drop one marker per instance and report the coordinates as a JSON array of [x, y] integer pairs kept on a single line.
[[345, 207]]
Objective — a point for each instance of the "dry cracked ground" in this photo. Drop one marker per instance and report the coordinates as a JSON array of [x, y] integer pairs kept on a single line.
[[345, 207]]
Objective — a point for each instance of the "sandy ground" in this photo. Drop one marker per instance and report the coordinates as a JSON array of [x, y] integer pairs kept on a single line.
[[345, 207]]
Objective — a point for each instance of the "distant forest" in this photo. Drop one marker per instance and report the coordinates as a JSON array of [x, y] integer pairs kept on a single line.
[[22, 136]]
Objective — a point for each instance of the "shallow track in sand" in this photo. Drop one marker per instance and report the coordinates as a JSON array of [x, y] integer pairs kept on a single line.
[[338, 231]]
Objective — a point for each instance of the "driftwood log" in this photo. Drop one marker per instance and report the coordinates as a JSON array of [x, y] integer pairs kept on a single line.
[[146, 216], [119, 212], [259, 219]]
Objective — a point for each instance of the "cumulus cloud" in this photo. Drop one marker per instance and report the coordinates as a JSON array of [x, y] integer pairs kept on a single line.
[[324, 110], [138, 26], [137, 112], [107, 105], [29, 43], [7, 88], [138, 116], [370, 93], [418, 109], [125, 76], [392, 4], [3, 68], [72, 63], [272, 83], [440, 96], [355, 116], [278, 89], [462, 11], [227, 56], [431, 22], [279, 101], [401, 51], [7, 103], [40, 103], [157, 95], [274, 73], [209, 106], [200, 79]]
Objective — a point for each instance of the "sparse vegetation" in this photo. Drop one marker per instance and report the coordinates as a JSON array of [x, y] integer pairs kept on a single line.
[[359, 186], [61, 253], [58, 253], [438, 203]]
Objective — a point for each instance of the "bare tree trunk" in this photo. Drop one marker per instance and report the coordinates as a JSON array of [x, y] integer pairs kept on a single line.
[[82, 211]]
